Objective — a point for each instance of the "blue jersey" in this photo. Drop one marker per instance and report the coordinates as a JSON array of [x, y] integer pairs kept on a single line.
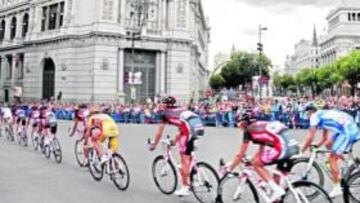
[[337, 121]]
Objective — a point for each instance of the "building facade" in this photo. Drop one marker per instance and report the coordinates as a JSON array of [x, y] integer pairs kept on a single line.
[[85, 50], [343, 31], [306, 55]]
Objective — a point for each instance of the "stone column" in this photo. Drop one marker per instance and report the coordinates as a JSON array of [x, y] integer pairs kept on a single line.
[[13, 75], [163, 14], [120, 76], [2, 75], [162, 71], [19, 22], [7, 29], [57, 26]]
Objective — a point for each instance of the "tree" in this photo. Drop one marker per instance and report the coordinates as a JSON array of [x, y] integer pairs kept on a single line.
[[285, 83], [216, 82], [349, 67], [242, 67], [307, 78]]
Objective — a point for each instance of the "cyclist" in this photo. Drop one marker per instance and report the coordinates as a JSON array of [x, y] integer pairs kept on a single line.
[[346, 134], [275, 146], [48, 124], [189, 126], [20, 114], [80, 115], [34, 118], [7, 116], [102, 127]]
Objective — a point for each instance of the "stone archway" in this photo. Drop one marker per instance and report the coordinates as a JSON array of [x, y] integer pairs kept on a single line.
[[48, 82]]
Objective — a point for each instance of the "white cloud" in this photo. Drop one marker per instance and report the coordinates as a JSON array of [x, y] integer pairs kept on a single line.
[[236, 22]]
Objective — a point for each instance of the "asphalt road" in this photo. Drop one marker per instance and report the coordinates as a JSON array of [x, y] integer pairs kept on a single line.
[[27, 176]]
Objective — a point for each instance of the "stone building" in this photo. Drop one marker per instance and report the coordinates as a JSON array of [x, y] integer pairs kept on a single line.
[[306, 55], [84, 49], [343, 34]]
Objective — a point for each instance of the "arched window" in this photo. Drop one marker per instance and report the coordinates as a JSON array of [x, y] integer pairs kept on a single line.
[[2, 30], [25, 25], [13, 28]]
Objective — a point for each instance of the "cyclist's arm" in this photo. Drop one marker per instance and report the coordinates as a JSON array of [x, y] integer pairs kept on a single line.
[[159, 132], [238, 158], [309, 139], [324, 138], [74, 127]]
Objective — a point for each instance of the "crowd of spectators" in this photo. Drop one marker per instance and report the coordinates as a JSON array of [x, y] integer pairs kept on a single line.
[[223, 112]]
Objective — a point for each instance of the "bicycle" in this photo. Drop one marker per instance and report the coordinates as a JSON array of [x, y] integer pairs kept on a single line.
[[315, 164], [52, 147], [247, 186], [9, 131], [80, 147], [203, 178], [115, 167], [22, 133]]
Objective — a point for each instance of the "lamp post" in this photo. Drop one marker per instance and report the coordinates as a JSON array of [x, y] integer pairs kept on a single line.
[[140, 10], [260, 49]]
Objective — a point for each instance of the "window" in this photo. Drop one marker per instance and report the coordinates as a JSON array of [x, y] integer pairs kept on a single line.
[[61, 18], [358, 16], [13, 28], [2, 30], [9, 65], [353, 16], [349, 16], [20, 66], [52, 17], [25, 25]]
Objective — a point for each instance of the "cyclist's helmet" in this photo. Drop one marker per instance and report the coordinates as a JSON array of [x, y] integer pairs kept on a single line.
[[169, 101], [244, 120], [94, 110], [310, 107]]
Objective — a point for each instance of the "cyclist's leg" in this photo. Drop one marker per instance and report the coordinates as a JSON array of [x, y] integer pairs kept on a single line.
[[97, 138], [259, 161], [114, 144], [186, 158]]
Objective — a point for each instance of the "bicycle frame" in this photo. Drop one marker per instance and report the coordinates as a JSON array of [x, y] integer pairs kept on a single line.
[[168, 155], [349, 158], [248, 174]]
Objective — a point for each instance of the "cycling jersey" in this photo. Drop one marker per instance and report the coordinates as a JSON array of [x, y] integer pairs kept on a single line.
[[102, 126], [81, 115], [280, 145], [189, 126], [344, 126], [6, 112]]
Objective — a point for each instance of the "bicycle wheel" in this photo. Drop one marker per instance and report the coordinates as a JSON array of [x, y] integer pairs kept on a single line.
[[57, 150], [353, 168], [299, 171], [303, 193], [354, 187], [25, 138], [47, 150], [34, 140], [164, 175], [79, 153], [233, 189], [204, 182], [95, 167], [120, 175]]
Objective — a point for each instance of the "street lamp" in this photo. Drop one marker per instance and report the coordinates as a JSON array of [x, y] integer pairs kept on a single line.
[[260, 49], [140, 10]]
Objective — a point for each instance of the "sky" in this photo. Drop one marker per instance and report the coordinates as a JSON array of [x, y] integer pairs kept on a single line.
[[236, 22]]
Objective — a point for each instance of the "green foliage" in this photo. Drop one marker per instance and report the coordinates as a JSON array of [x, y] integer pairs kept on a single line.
[[217, 82], [242, 67], [349, 67]]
